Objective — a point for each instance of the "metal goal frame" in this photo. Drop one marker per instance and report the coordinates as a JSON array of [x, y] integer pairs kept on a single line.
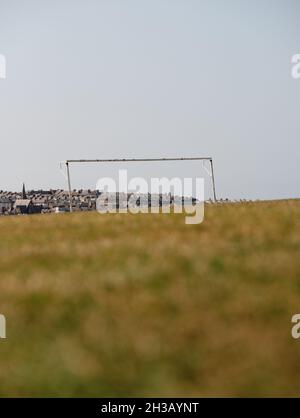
[[134, 160]]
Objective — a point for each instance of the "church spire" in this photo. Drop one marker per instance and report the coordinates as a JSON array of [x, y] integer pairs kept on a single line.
[[24, 192]]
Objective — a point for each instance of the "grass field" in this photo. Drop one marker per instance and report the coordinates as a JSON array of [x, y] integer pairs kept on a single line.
[[144, 305]]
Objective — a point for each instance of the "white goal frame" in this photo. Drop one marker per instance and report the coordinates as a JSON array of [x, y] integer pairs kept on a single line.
[[133, 160]]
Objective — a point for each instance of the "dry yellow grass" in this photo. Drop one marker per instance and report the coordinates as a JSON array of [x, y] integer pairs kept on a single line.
[[122, 305]]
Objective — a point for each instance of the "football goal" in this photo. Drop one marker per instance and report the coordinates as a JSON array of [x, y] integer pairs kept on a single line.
[[204, 160]]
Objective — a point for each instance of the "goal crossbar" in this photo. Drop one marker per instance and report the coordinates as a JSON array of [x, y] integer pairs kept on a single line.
[[132, 160]]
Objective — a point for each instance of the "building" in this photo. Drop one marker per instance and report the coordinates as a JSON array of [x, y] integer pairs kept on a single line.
[[23, 206], [26, 206], [5, 205]]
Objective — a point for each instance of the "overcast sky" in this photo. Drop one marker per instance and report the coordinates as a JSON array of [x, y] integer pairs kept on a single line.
[[151, 78]]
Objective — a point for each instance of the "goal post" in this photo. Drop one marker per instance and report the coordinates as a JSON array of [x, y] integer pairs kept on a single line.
[[133, 160]]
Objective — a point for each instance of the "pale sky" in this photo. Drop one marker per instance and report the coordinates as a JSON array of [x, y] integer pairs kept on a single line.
[[155, 78]]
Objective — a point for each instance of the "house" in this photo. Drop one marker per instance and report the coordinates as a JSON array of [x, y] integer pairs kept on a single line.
[[23, 206], [27, 206], [41, 201], [5, 205]]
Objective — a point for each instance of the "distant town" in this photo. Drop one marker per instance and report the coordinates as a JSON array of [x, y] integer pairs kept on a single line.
[[28, 202], [45, 201]]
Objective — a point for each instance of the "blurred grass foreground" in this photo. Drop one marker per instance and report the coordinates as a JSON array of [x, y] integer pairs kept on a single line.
[[144, 305]]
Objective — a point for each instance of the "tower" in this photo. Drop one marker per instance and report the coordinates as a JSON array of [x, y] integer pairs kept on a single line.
[[24, 192]]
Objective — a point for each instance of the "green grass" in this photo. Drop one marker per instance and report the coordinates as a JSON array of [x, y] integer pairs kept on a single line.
[[144, 305]]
